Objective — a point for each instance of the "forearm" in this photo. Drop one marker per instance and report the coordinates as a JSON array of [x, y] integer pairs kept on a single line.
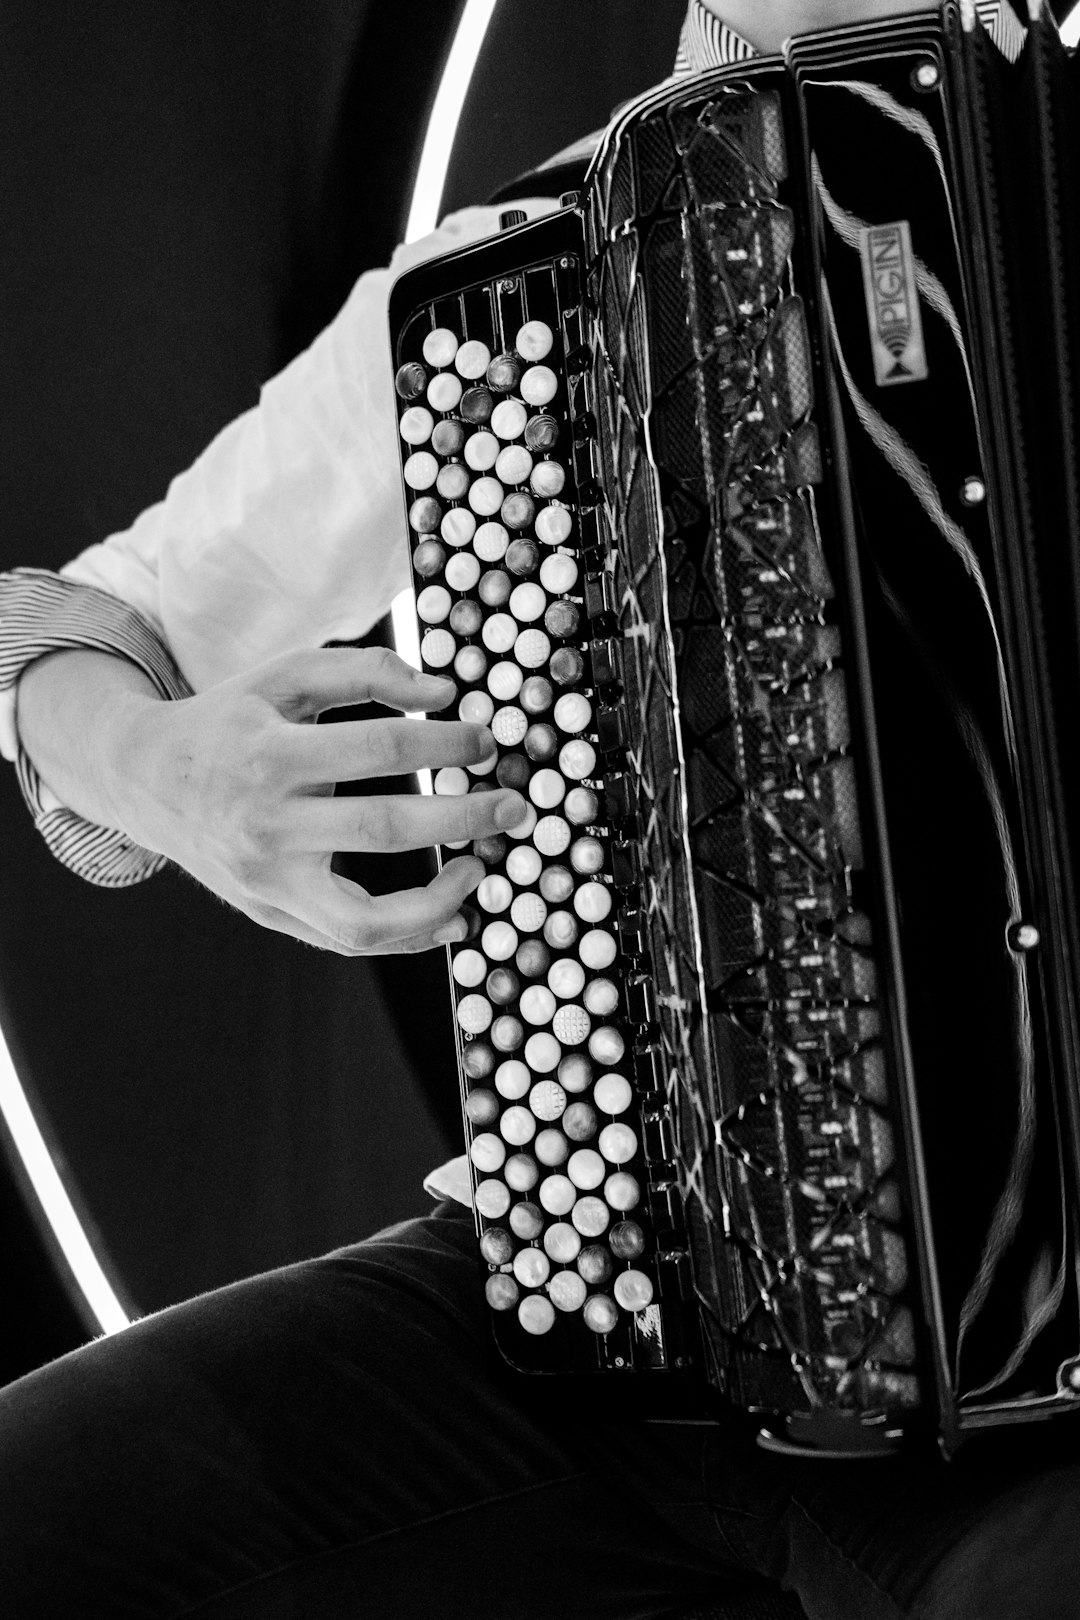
[[76, 716]]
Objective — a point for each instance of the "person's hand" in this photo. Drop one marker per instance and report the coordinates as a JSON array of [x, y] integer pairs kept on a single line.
[[236, 786]]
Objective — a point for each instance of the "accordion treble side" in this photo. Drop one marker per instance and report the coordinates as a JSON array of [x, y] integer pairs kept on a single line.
[[743, 507]]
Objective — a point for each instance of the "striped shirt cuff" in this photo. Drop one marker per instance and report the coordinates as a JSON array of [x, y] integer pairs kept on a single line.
[[40, 613]]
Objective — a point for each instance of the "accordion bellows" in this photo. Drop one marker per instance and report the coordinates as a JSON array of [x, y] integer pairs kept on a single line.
[[743, 503]]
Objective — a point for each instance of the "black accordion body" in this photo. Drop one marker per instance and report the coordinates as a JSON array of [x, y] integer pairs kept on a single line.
[[743, 503]]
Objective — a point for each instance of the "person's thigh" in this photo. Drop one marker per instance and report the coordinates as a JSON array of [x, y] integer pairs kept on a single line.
[[326, 1441]]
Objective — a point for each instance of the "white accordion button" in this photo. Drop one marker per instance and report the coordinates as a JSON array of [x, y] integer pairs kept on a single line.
[[573, 712], [492, 1199], [537, 1007], [571, 1025], [617, 1143], [474, 1014], [612, 1095], [552, 835], [518, 1126], [591, 1216], [587, 856], [602, 998], [494, 894], [557, 883], [462, 571], [586, 1169], [548, 479], [562, 1242], [566, 978], [607, 1046], [622, 1190], [547, 790], [440, 346], [542, 1053], [532, 1268], [528, 913], [539, 385], [488, 1153], [470, 664], [520, 1172], [532, 650], [533, 341], [527, 603], [547, 1099], [481, 452], [593, 902], [553, 525], [502, 1292], [508, 419], [477, 708], [451, 781], [526, 1221], [458, 526], [509, 725], [499, 941], [558, 573], [598, 950], [557, 1194], [499, 633], [469, 969], [512, 1080], [433, 604], [551, 1148], [421, 470], [444, 392], [416, 425], [536, 1314], [600, 1314], [523, 867], [486, 496], [577, 759], [504, 682], [567, 1291], [472, 360], [633, 1290], [560, 930], [514, 464], [490, 542]]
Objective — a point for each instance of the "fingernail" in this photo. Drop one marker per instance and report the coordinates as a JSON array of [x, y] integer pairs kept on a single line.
[[510, 813], [451, 933]]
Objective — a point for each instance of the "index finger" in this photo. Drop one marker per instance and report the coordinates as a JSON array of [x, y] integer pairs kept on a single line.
[[302, 685]]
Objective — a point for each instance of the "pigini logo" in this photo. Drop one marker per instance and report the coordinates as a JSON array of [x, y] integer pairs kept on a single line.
[[892, 304]]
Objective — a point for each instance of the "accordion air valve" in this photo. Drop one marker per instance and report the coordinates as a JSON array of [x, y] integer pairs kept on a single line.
[[743, 509]]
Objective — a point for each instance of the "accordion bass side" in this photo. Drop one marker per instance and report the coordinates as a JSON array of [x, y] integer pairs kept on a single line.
[[743, 503]]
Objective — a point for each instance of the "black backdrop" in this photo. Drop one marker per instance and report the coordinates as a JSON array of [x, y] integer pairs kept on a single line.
[[188, 190]]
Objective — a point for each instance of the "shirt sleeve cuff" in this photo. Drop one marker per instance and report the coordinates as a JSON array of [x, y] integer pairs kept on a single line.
[[42, 613]]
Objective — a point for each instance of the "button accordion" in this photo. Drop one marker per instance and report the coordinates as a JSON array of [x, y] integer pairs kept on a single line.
[[744, 509]]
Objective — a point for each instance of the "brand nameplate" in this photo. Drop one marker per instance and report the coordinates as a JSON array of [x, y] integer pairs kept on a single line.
[[892, 304]]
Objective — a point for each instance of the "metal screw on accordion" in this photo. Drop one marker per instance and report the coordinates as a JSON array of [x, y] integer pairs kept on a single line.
[[1022, 937], [926, 76], [973, 491], [508, 286]]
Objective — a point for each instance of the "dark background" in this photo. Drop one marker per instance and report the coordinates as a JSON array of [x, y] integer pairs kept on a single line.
[[188, 191]]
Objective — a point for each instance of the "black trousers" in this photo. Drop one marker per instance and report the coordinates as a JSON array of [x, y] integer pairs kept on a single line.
[[330, 1441]]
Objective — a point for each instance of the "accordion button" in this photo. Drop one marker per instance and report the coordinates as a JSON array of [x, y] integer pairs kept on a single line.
[[472, 359], [481, 452], [523, 557], [512, 1080], [627, 1240], [429, 558], [558, 573], [469, 969], [440, 346], [478, 1060], [492, 1198], [593, 902], [581, 806], [420, 470], [451, 781], [518, 1126], [500, 632], [504, 372], [509, 725], [547, 1099], [499, 941], [567, 1291], [490, 542], [586, 1169], [541, 433], [528, 602], [542, 1053], [622, 1190], [573, 712], [507, 1033], [523, 866], [474, 1014], [416, 425], [562, 620], [618, 1143], [547, 790], [502, 1292], [536, 1315], [534, 340], [504, 681], [551, 837], [533, 957], [487, 1153], [612, 1095], [477, 405], [465, 617], [594, 1263], [551, 1148], [453, 481], [591, 1216], [528, 913], [470, 664], [538, 1008], [539, 385], [607, 1046], [482, 1106], [518, 511], [557, 883], [557, 1194], [532, 1268], [561, 929], [444, 391], [447, 437], [462, 574], [532, 649], [598, 950], [485, 496], [434, 604], [514, 466], [526, 1221], [548, 479], [497, 1247], [580, 1121], [476, 708], [571, 1025], [600, 1314], [520, 1172], [577, 759], [575, 1072], [553, 525], [411, 380], [536, 694], [562, 1242], [457, 526], [587, 856], [508, 419], [565, 980], [633, 1290]]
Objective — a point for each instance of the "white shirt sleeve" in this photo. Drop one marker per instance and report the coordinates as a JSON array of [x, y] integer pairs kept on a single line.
[[289, 530]]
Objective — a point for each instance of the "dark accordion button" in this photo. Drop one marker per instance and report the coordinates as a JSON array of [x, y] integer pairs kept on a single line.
[[567, 667], [513, 771], [490, 850], [536, 695], [562, 620], [503, 986], [541, 744], [466, 618], [411, 380], [476, 405], [425, 514], [478, 1060], [429, 558], [447, 438], [504, 372], [541, 433], [523, 557]]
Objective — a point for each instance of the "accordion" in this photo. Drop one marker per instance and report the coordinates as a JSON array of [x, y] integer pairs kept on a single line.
[[744, 508]]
